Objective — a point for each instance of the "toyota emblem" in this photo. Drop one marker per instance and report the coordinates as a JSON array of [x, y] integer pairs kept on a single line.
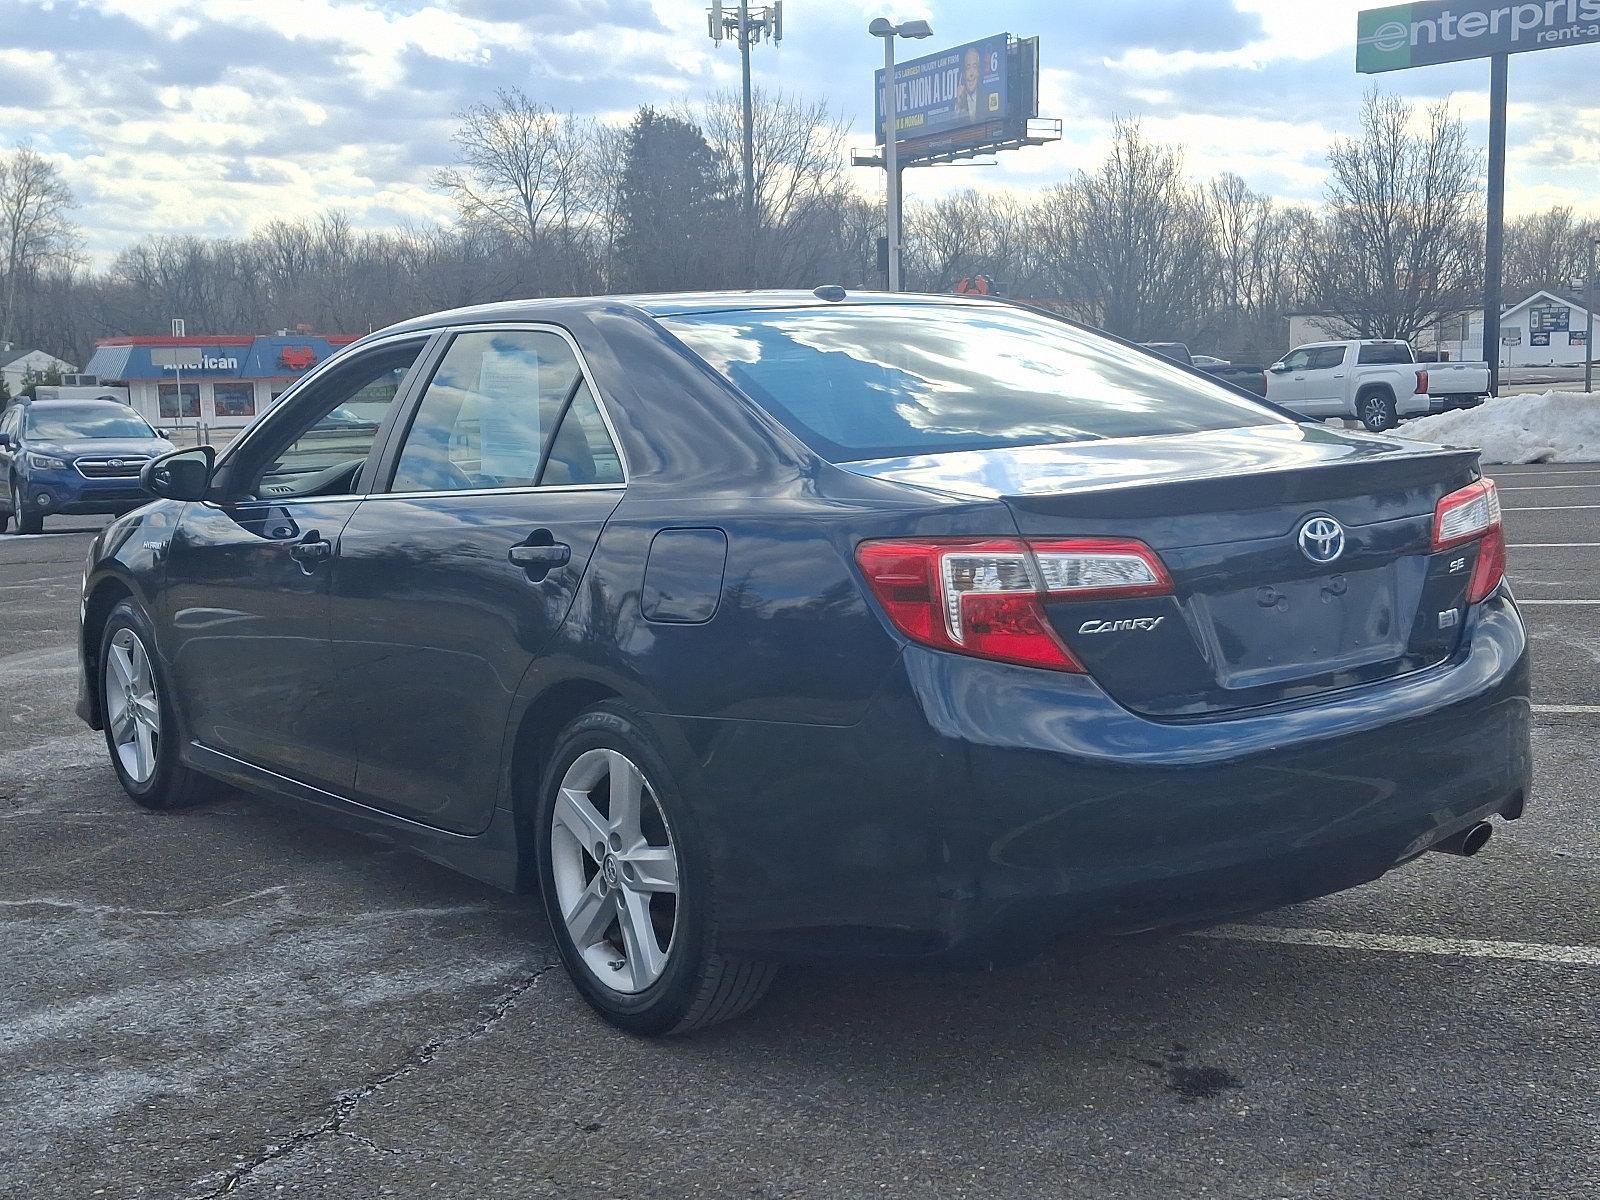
[[1321, 539]]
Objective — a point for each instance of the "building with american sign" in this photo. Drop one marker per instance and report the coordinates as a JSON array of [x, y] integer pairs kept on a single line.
[[221, 381]]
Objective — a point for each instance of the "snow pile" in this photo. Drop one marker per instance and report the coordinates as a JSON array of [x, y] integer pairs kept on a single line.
[[1552, 427]]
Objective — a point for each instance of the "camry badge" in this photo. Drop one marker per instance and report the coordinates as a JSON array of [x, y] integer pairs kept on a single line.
[[1137, 624], [1321, 539]]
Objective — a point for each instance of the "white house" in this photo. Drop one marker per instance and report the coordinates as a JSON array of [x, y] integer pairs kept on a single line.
[[1545, 329], [15, 365]]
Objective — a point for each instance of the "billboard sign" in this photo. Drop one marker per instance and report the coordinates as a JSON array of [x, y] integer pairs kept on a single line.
[[950, 93], [1427, 32], [1549, 318]]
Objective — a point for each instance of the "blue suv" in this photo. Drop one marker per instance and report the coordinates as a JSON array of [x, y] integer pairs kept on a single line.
[[72, 457]]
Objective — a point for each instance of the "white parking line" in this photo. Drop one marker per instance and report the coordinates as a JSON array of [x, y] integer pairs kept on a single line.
[[1560, 603], [1548, 487], [1552, 508], [1395, 943], [1548, 545], [1568, 710]]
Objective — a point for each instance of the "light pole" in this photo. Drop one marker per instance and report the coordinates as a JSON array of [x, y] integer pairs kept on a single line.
[[883, 28], [1588, 324]]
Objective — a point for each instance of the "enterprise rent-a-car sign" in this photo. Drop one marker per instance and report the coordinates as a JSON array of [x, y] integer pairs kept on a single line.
[[1440, 31], [953, 90]]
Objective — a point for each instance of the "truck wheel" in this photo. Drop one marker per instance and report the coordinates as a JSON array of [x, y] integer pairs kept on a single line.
[[1376, 410]]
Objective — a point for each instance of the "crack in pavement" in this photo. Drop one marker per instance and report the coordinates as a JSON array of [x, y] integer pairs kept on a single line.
[[345, 1105]]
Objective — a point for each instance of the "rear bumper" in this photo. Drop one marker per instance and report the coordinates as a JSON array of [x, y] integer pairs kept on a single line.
[[982, 809], [1439, 404]]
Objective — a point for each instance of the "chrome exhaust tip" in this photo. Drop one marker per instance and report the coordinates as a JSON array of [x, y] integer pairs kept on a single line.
[[1467, 842]]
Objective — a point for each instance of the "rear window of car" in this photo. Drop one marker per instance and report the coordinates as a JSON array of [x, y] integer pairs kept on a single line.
[[1385, 354], [893, 381]]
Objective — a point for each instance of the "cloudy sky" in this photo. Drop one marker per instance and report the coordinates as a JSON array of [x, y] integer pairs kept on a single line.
[[211, 116]]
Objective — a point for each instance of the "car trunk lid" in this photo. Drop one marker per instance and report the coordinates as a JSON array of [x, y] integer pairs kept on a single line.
[[1261, 612]]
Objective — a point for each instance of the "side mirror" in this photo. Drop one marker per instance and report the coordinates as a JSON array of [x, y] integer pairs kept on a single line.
[[1278, 368], [181, 475], [5, 441], [164, 434]]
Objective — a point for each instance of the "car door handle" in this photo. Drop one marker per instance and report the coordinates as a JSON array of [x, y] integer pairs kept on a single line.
[[312, 548], [549, 557]]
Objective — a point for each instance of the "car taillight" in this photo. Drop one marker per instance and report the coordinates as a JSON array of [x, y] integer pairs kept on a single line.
[[1473, 512], [1422, 383], [985, 596]]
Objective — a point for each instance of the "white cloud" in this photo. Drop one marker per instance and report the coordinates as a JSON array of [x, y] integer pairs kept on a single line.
[[211, 116]]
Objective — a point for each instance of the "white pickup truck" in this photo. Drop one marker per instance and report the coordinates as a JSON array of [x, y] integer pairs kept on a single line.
[[1374, 382]]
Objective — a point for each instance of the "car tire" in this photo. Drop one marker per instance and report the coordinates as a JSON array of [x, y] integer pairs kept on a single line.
[[604, 877], [1376, 411], [5, 520], [141, 729]]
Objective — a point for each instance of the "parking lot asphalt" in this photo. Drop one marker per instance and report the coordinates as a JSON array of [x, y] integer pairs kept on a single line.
[[237, 1000]]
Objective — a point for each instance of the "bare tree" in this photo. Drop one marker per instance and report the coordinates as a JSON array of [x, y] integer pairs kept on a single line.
[[1548, 249], [1401, 244], [35, 232], [1130, 243], [800, 179], [968, 233], [1257, 281], [522, 165]]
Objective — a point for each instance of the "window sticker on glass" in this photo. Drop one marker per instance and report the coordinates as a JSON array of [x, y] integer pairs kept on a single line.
[[508, 417]]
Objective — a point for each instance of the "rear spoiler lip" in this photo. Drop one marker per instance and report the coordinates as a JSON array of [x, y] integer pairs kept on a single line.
[[1303, 483]]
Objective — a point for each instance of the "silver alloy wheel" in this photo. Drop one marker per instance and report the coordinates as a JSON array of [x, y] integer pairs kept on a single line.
[[1377, 416], [615, 870], [133, 713]]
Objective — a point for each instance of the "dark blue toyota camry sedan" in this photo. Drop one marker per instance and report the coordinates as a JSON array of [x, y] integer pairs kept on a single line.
[[754, 627]]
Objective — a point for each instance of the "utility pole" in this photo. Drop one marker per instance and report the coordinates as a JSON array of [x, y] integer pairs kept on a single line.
[[749, 133], [1494, 244], [748, 26], [1588, 324]]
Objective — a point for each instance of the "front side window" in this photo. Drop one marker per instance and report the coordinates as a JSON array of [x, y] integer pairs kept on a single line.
[[506, 409], [179, 400], [85, 422], [889, 381], [318, 444]]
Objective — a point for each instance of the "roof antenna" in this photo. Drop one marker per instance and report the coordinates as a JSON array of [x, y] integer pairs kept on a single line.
[[831, 292]]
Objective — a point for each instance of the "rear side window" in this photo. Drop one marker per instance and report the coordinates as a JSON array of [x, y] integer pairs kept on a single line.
[[507, 409], [1385, 354], [891, 381], [1325, 358]]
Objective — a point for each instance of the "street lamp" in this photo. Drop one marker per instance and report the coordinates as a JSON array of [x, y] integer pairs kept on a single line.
[[886, 29]]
